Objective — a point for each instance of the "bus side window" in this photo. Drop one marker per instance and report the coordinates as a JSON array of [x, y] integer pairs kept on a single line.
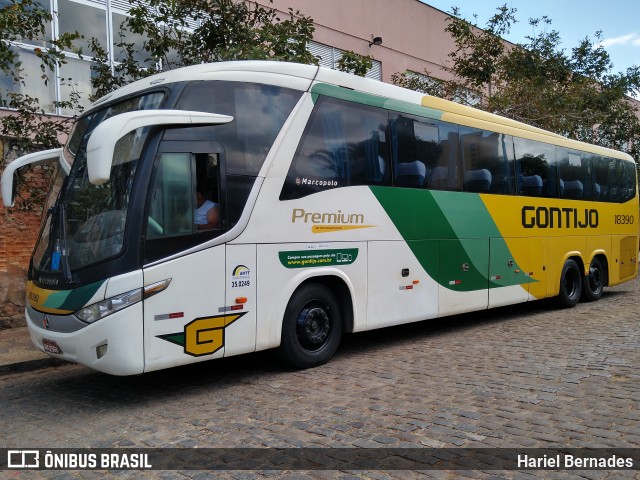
[[487, 160], [425, 153], [536, 169], [343, 144], [184, 202], [626, 176], [171, 202], [575, 174], [602, 186]]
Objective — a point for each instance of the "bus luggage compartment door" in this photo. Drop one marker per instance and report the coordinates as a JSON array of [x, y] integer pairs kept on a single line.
[[509, 261], [464, 268]]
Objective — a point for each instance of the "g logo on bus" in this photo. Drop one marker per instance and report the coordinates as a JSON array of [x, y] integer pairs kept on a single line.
[[204, 335]]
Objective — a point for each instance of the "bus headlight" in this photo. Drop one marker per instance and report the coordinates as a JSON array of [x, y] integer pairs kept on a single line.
[[111, 305]]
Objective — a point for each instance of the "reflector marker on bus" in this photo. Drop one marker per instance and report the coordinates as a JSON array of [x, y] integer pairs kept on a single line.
[[230, 308], [455, 282], [169, 316]]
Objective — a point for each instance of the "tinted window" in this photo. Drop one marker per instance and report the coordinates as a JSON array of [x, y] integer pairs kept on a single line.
[[185, 204], [535, 168], [258, 112], [425, 153], [625, 181], [343, 144], [574, 169], [487, 161], [603, 177]]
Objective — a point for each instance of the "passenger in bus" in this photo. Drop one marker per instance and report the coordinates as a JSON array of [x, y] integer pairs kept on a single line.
[[206, 213]]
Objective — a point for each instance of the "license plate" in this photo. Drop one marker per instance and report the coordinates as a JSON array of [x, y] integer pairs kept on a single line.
[[51, 347]]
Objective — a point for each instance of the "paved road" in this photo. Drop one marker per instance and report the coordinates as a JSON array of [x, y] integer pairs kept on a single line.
[[525, 376]]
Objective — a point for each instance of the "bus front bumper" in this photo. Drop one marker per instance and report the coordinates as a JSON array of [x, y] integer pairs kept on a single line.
[[114, 344]]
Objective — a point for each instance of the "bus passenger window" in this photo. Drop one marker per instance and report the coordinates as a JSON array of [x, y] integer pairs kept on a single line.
[[487, 161], [425, 153], [536, 170], [575, 176], [626, 175], [601, 177], [343, 144]]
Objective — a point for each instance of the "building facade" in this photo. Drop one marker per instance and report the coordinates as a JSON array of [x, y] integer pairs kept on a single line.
[[400, 35]]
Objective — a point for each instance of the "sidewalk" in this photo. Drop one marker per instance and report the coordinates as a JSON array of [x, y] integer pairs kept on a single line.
[[18, 354]]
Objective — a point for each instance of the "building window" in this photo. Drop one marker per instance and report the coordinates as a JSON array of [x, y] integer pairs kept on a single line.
[[101, 19], [328, 57]]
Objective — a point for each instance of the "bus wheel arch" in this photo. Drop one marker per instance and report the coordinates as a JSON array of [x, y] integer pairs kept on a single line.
[[571, 279], [596, 279], [313, 322]]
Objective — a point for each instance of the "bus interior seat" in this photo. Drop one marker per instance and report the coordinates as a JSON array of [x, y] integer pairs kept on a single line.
[[501, 184], [438, 178], [477, 180], [530, 184], [573, 189], [411, 174], [596, 191]]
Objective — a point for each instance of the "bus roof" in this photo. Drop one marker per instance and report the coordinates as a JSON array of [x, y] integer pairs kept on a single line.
[[303, 77]]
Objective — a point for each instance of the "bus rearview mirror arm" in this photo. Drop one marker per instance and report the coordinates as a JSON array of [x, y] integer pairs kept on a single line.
[[11, 171], [103, 139]]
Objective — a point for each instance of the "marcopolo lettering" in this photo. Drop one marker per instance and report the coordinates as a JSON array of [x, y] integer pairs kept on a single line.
[[554, 217]]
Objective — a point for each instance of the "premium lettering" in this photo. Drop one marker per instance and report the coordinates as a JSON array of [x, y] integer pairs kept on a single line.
[[555, 217], [299, 214]]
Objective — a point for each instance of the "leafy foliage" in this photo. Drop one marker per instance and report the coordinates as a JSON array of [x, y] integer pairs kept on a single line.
[[27, 128], [355, 63], [575, 93], [224, 30]]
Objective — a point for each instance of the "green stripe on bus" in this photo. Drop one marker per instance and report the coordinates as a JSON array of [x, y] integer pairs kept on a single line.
[[374, 101], [72, 300], [449, 233]]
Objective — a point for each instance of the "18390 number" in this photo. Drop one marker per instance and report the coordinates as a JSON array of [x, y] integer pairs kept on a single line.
[[623, 219]]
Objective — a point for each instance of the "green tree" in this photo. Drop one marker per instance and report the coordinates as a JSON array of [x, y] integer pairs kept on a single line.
[[29, 128], [576, 93], [355, 63], [226, 30]]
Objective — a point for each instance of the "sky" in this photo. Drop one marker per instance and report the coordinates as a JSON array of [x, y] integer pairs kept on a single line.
[[619, 21]]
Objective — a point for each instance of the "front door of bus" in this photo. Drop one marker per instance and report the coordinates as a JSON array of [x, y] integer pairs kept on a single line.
[[185, 258]]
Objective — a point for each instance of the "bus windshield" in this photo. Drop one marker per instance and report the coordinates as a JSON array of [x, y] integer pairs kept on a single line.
[[86, 223]]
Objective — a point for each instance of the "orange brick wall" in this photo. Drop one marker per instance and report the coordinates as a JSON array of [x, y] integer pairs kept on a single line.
[[18, 233], [19, 228]]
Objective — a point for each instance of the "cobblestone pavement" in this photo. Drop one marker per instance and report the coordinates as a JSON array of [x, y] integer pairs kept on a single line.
[[524, 376]]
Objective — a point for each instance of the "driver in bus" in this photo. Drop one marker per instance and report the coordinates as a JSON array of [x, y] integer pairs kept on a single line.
[[206, 213]]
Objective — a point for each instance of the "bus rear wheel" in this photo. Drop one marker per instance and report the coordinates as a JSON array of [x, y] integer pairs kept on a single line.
[[570, 284], [593, 284], [311, 328]]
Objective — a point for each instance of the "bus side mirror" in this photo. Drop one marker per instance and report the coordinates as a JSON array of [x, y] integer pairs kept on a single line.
[[11, 171], [103, 139]]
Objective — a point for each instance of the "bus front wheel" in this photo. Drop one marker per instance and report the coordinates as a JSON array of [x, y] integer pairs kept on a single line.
[[593, 284], [311, 328], [570, 284]]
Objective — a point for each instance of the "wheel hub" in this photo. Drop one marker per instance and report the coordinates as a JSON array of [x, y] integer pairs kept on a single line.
[[313, 327]]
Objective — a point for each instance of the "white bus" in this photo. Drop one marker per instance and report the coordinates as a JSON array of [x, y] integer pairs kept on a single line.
[[221, 209]]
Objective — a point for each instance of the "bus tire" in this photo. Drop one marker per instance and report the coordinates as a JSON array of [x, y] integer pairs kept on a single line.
[[570, 284], [593, 283], [311, 328]]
